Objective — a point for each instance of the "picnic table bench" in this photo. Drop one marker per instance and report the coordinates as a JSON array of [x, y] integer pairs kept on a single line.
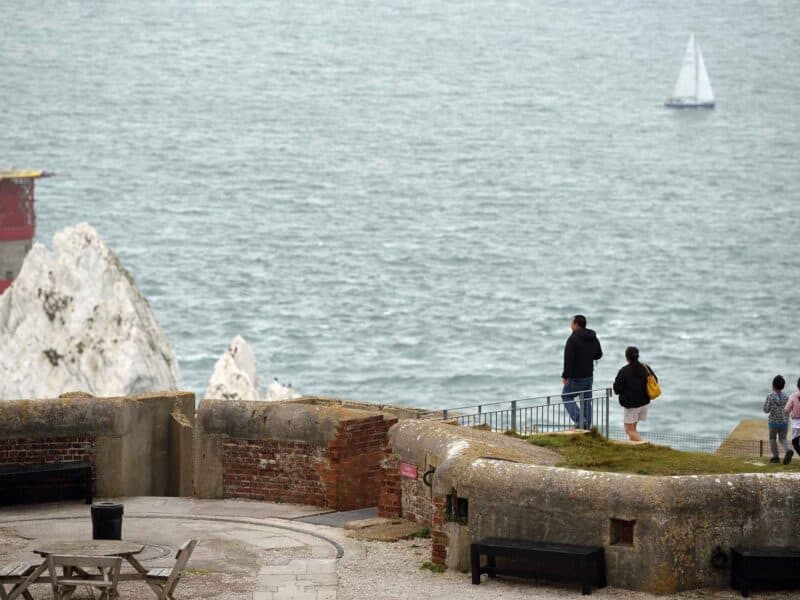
[[74, 479], [562, 562], [765, 568]]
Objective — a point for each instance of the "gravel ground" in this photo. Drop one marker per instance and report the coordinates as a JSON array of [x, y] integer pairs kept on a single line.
[[392, 571]]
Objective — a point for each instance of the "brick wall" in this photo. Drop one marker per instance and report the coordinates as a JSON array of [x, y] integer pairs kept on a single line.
[[343, 475], [402, 496], [36, 451], [356, 453], [439, 538], [390, 496], [273, 470], [31, 451]]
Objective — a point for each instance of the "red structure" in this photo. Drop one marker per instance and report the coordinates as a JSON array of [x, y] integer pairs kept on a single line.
[[17, 221]]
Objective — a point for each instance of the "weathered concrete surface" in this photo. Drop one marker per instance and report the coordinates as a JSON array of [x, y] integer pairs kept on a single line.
[[451, 449], [749, 436], [133, 446], [677, 521]]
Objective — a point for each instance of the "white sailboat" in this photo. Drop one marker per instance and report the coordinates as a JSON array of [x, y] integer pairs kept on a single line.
[[693, 88]]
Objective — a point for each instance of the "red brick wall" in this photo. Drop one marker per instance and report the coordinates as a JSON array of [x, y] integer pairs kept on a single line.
[[389, 499], [402, 496], [344, 475], [31, 451], [356, 454], [273, 470], [438, 536], [35, 451]]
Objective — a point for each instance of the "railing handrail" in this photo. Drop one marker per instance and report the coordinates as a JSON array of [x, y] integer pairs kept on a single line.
[[604, 390]]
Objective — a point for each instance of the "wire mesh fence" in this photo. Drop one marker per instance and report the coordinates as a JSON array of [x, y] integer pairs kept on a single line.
[[722, 446]]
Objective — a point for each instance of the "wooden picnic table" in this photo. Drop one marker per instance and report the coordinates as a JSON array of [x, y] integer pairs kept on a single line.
[[125, 550]]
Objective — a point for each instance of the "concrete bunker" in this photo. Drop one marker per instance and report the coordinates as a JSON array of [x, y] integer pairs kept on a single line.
[[661, 534]]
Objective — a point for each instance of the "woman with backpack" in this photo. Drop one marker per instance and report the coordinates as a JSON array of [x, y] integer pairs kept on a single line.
[[631, 387]]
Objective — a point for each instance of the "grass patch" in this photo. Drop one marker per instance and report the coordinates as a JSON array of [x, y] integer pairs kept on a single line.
[[594, 452], [432, 567]]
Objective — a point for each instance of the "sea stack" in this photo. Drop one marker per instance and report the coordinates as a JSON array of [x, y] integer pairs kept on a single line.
[[235, 377], [74, 320]]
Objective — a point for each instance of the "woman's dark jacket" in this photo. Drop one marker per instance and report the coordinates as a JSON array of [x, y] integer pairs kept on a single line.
[[631, 386]]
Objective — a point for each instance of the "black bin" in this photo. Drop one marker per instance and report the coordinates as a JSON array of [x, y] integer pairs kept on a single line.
[[106, 521]]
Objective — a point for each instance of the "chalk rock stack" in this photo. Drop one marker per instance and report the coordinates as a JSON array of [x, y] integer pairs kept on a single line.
[[74, 320], [235, 377]]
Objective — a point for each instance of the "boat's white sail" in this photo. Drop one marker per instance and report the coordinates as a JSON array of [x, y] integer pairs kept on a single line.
[[693, 87], [705, 94]]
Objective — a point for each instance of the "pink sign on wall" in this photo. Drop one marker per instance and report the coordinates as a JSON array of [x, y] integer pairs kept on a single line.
[[408, 470]]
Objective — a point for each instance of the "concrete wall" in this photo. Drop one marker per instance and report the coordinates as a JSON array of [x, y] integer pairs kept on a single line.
[[675, 523], [129, 440], [311, 451]]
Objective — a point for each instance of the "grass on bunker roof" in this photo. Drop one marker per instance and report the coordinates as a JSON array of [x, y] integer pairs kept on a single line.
[[594, 452]]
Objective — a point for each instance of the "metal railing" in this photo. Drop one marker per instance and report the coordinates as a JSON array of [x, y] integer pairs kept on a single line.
[[540, 414]]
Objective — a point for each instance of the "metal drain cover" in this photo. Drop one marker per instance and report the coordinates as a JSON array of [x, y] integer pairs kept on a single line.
[[153, 551]]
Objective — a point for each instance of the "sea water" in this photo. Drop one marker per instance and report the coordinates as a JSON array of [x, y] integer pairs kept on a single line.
[[407, 202]]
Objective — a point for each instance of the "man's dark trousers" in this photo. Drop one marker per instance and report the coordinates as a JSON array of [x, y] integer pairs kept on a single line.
[[572, 399]]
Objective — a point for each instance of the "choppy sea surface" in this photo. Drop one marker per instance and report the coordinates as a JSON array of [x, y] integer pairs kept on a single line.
[[407, 202]]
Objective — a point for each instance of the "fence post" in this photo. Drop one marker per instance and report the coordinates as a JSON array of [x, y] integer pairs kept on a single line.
[[608, 401], [444, 414], [514, 416]]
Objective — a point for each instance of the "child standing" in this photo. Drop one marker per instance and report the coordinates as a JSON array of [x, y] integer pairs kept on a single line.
[[793, 409], [778, 420]]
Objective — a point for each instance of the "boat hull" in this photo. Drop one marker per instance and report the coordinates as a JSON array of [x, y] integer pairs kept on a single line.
[[671, 104]]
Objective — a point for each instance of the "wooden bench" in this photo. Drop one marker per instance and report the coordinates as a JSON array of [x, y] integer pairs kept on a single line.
[[770, 568], [74, 479], [562, 562], [20, 576]]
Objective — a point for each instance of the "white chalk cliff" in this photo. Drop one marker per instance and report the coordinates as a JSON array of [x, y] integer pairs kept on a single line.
[[235, 377], [74, 320]]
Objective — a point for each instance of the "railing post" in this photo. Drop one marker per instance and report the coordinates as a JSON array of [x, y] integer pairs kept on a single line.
[[608, 408], [444, 414], [514, 416]]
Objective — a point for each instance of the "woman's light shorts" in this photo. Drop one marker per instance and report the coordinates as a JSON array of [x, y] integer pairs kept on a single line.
[[634, 415]]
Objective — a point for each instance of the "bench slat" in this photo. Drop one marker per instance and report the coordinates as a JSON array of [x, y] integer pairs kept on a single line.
[[17, 570], [162, 573], [92, 582]]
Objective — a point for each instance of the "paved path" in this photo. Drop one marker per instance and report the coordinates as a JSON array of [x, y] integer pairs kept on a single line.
[[283, 558]]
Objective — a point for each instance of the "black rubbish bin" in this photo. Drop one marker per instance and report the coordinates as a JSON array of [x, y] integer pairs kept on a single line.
[[106, 521]]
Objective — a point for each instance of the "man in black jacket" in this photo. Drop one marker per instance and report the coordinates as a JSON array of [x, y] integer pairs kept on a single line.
[[580, 352]]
